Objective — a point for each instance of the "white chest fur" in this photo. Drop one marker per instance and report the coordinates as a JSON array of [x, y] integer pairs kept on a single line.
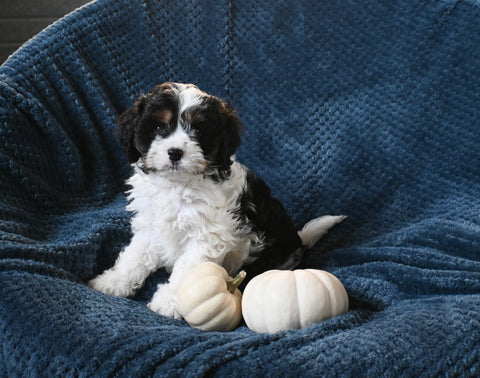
[[182, 214]]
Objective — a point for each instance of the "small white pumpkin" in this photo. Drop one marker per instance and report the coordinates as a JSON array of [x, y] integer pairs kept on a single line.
[[278, 300], [208, 298]]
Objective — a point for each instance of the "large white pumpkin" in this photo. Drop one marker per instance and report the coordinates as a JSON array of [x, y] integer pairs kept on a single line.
[[208, 298], [283, 299]]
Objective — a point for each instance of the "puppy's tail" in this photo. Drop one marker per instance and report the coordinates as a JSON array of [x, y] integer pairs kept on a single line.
[[314, 230]]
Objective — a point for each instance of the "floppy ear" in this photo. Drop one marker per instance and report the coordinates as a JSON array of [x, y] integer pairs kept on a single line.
[[231, 136], [126, 126]]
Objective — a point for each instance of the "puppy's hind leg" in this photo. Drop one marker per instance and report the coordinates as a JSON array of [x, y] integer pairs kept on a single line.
[[317, 228], [131, 268]]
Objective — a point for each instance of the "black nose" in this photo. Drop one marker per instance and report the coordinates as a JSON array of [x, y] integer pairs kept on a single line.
[[175, 154]]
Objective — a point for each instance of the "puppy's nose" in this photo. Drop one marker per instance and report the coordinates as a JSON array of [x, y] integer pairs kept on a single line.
[[175, 154]]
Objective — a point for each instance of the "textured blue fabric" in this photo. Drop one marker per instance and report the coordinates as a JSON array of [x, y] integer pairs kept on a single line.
[[364, 108]]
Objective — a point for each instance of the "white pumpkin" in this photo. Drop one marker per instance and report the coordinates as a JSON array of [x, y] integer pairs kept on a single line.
[[208, 298], [283, 299]]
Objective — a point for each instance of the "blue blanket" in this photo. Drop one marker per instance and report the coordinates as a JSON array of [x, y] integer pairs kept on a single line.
[[364, 108]]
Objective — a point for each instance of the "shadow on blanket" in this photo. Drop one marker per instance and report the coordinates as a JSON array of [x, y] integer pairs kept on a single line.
[[364, 108]]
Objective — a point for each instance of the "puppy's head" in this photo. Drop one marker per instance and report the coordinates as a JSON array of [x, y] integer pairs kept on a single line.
[[178, 129]]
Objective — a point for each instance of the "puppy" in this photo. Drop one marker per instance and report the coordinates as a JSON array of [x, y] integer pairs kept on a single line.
[[193, 202]]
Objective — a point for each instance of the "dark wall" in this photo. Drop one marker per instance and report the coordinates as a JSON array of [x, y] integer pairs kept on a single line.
[[22, 19]]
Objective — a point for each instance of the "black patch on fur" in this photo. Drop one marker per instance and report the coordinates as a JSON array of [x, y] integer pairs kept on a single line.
[[125, 130], [266, 215], [139, 125], [217, 129]]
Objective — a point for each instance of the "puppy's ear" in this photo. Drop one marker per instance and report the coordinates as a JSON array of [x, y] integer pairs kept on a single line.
[[126, 125], [231, 139]]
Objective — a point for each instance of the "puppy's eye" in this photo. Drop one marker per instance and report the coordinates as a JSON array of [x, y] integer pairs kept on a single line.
[[203, 127], [160, 127]]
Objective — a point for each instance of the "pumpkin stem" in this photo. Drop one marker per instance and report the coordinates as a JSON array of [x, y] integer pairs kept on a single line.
[[232, 284]]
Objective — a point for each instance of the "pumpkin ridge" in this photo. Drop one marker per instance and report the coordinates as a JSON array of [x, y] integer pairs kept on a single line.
[[209, 304], [214, 319], [266, 319], [299, 307], [327, 289]]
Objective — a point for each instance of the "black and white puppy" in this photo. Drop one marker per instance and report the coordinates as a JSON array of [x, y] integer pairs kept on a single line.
[[193, 202]]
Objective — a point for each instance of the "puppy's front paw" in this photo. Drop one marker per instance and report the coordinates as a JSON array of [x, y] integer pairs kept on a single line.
[[112, 283], [164, 302]]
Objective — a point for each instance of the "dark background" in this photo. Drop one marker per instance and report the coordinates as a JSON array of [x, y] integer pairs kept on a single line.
[[22, 19]]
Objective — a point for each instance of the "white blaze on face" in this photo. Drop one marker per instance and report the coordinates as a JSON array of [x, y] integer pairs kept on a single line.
[[190, 96]]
